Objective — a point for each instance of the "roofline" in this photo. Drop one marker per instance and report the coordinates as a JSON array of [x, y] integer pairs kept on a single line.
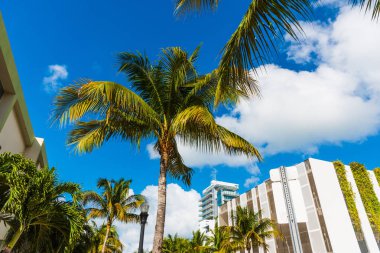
[[15, 89]]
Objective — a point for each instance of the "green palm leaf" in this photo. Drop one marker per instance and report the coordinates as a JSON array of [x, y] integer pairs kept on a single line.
[[254, 41]]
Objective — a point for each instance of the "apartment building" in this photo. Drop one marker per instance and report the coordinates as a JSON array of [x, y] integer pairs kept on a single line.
[[310, 208], [16, 132], [215, 195]]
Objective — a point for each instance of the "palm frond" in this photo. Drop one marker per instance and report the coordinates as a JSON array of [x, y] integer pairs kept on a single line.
[[236, 145], [254, 40], [74, 101], [86, 136], [196, 127], [369, 6], [142, 76], [92, 197], [184, 6], [176, 167]]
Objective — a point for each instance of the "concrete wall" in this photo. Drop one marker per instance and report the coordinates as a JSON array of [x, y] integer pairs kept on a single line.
[[11, 139]]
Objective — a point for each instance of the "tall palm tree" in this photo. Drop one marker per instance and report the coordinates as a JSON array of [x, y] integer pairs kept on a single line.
[[170, 102], [250, 230], [38, 208], [114, 203], [256, 37]]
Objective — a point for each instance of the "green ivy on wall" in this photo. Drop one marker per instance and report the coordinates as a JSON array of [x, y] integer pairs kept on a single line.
[[349, 195], [377, 174], [367, 194]]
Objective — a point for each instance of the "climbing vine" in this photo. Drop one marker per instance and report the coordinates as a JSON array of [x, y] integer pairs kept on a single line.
[[349, 195], [377, 175], [367, 194]]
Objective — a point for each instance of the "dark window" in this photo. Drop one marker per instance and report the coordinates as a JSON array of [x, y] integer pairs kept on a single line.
[[1, 90]]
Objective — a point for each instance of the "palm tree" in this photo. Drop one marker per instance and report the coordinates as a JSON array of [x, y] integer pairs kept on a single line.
[[250, 230], [176, 244], [198, 241], [114, 203], [218, 241], [39, 211], [172, 102], [92, 238], [255, 39]]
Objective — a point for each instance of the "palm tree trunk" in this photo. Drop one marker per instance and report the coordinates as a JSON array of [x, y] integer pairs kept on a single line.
[[106, 237], [161, 204], [13, 241]]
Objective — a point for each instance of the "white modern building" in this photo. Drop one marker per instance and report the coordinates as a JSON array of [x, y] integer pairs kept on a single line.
[[309, 206], [215, 195], [16, 132]]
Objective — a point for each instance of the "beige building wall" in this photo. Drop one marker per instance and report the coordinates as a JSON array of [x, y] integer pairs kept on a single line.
[[16, 133]]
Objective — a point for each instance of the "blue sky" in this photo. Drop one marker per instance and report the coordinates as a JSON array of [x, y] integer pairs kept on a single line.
[[321, 97], [85, 36]]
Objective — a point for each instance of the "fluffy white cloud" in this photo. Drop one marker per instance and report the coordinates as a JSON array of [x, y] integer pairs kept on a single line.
[[252, 181], [181, 216], [57, 73], [337, 102]]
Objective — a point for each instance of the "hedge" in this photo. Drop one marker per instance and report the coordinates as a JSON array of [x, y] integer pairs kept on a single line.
[[377, 174], [367, 194], [349, 195]]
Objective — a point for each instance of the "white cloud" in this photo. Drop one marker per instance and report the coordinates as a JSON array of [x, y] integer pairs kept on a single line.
[[153, 154], [337, 102], [181, 216], [57, 73], [252, 181]]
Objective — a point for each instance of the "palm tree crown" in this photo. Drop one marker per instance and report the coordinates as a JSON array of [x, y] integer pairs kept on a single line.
[[170, 102], [42, 219], [250, 230], [115, 203]]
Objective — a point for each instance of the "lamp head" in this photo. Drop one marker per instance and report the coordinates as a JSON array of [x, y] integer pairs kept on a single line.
[[144, 207]]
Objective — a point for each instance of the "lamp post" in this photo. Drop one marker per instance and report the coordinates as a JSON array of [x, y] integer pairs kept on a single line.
[[143, 218]]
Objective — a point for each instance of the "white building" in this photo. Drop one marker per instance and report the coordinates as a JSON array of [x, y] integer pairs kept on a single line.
[[16, 132], [309, 207], [216, 194]]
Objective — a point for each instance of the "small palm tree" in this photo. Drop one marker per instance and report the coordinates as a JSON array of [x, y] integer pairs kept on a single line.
[[114, 203], [218, 240], [39, 211], [92, 238], [176, 244], [198, 241], [249, 229], [170, 103]]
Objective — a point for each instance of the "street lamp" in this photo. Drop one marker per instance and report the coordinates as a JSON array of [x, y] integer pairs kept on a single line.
[[143, 217]]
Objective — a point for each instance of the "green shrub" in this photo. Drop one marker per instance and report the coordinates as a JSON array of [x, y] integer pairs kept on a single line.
[[367, 194], [349, 195], [377, 174]]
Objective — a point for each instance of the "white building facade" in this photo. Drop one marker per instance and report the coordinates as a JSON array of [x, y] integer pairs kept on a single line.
[[309, 207], [215, 195]]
